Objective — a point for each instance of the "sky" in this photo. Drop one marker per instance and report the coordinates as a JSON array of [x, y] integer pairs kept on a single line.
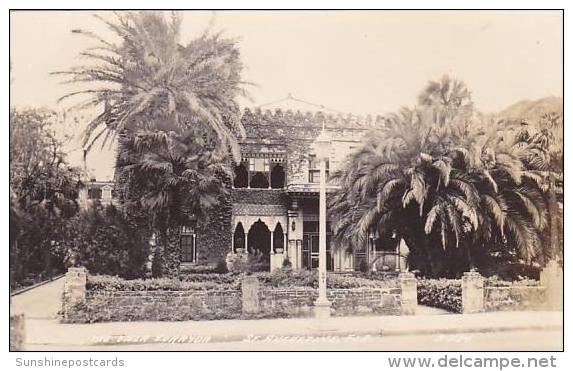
[[361, 62]]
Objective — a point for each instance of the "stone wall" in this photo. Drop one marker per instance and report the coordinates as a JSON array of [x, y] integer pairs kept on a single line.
[[514, 298], [477, 296], [253, 300], [163, 305], [300, 301]]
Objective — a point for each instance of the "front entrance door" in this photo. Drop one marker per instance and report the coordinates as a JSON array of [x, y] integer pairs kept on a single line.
[[310, 247]]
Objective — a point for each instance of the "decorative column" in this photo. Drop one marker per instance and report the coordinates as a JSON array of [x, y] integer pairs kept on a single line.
[[272, 255], [322, 305]]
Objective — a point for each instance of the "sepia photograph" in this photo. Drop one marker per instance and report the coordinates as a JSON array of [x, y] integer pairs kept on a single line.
[[286, 180]]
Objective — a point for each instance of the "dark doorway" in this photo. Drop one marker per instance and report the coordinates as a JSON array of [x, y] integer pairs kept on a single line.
[[241, 177], [259, 246], [239, 238], [277, 177]]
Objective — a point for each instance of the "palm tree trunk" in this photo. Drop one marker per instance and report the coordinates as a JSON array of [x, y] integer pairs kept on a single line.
[[172, 254]]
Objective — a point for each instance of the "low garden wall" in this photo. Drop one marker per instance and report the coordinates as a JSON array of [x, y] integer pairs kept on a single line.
[[474, 293], [514, 297], [160, 305], [100, 299], [299, 301]]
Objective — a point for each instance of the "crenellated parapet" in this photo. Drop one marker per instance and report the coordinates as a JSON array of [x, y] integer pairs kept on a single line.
[[310, 119]]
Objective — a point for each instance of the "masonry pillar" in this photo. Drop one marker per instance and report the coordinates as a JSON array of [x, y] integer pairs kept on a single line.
[[17, 331], [74, 288], [250, 294], [472, 293], [106, 195], [551, 278], [409, 292]]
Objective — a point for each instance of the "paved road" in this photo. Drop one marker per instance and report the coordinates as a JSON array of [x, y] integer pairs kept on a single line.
[[489, 341], [41, 302]]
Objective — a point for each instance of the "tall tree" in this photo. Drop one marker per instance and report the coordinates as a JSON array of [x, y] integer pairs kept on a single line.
[[149, 81], [455, 181], [43, 192], [169, 105], [175, 179]]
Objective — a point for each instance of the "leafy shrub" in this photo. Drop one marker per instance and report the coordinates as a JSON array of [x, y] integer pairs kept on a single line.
[[441, 293], [221, 267], [215, 281], [286, 263], [113, 283], [288, 278], [106, 242], [257, 262], [197, 269]]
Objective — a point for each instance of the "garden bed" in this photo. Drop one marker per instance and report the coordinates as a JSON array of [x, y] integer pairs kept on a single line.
[[441, 293], [232, 281], [210, 296]]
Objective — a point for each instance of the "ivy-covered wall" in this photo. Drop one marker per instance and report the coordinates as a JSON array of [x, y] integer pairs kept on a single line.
[[259, 196], [214, 233]]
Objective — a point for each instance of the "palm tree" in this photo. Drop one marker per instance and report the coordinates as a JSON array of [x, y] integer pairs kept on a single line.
[[541, 151], [448, 98], [172, 109], [150, 81], [176, 179], [457, 183]]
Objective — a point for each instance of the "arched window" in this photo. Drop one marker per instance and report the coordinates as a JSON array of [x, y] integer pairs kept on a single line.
[[241, 177], [259, 180], [239, 237], [259, 171], [277, 177]]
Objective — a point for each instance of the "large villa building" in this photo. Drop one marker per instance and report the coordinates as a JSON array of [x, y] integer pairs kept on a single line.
[[272, 209]]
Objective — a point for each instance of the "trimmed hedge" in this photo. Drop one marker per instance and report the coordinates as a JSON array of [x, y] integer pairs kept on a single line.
[[282, 278], [285, 278], [441, 293], [203, 282]]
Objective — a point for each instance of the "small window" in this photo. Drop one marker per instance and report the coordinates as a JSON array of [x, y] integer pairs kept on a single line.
[[314, 169], [94, 193], [188, 245], [241, 177]]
